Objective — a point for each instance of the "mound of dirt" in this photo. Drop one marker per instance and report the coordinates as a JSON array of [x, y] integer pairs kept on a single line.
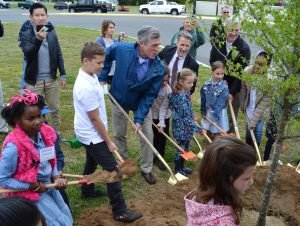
[[164, 205]]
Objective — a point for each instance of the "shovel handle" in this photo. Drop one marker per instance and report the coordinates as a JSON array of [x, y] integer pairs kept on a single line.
[[207, 137], [215, 125], [72, 175], [256, 146], [169, 138], [142, 136], [236, 128], [47, 186], [195, 139], [119, 156], [204, 133]]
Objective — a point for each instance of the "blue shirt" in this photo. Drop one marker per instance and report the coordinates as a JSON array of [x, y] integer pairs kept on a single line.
[[141, 67], [8, 166]]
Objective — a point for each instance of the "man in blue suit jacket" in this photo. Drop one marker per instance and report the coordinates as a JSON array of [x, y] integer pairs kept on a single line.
[[136, 83]]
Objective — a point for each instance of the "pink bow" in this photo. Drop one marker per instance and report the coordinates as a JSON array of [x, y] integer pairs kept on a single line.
[[28, 98]]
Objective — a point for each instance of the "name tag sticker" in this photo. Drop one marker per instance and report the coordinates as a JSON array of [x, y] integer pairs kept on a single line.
[[47, 153]]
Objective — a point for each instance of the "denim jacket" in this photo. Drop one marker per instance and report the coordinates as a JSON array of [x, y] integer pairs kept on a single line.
[[214, 98]]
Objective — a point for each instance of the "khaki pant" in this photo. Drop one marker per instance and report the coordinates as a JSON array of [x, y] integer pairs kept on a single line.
[[3, 124], [236, 107], [119, 123], [49, 90]]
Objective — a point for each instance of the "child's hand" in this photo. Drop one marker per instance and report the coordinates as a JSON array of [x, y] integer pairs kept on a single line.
[[161, 129], [60, 183], [112, 147]]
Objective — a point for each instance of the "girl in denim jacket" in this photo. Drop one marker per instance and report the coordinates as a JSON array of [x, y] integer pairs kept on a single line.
[[183, 125], [214, 96]]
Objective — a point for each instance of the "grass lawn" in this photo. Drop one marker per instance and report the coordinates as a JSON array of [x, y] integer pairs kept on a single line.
[[71, 42]]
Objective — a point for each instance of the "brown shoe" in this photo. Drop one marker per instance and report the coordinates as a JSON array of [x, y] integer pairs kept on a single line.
[[149, 178]]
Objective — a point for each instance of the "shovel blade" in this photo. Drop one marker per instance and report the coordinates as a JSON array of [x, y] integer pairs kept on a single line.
[[200, 155], [178, 178], [187, 155]]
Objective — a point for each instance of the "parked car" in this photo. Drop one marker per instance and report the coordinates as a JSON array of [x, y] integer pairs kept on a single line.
[[61, 5], [88, 5], [161, 6], [109, 5], [123, 9], [4, 4], [26, 5]]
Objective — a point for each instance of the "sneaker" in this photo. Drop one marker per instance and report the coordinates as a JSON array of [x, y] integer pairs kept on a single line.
[[94, 194], [187, 170], [128, 216]]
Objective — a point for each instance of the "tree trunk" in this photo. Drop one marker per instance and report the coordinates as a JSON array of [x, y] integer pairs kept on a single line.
[[274, 163]]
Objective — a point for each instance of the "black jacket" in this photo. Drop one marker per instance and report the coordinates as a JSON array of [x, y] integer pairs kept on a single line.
[[30, 46], [1, 29], [235, 61], [167, 54]]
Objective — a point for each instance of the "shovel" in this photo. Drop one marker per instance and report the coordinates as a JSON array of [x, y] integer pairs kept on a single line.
[[104, 177], [204, 132], [186, 155], [236, 129], [255, 145], [201, 152], [73, 143], [127, 167], [298, 168], [174, 179], [215, 125]]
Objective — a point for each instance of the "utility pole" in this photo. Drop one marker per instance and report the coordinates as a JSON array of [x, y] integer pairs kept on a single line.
[[194, 7]]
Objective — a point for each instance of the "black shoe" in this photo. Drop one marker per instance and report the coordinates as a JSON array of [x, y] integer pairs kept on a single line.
[[160, 165], [93, 194], [187, 170], [149, 178], [128, 216]]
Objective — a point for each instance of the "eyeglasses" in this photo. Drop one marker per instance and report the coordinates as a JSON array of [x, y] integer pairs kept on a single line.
[[226, 12]]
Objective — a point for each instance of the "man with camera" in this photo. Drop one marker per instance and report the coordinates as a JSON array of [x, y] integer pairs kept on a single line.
[[42, 51]]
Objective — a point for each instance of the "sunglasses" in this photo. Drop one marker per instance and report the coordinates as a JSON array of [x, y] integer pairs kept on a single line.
[[226, 12]]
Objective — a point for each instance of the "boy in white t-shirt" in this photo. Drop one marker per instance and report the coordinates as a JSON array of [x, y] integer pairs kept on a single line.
[[90, 124]]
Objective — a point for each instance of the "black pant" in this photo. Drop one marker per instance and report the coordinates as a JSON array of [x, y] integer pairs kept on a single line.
[[159, 140], [100, 154], [271, 132]]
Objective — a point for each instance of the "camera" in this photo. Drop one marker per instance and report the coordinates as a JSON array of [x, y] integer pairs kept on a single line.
[[46, 27]]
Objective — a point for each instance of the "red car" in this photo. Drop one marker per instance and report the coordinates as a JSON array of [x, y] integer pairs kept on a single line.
[[123, 9]]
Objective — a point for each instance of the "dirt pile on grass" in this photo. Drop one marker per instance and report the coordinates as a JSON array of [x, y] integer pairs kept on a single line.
[[164, 205]]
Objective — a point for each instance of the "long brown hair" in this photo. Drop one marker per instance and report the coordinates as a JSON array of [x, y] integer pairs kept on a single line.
[[105, 25], [181, 77], [224, 161]]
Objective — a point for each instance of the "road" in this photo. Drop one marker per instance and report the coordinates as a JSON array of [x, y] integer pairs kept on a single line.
[[168, 25]]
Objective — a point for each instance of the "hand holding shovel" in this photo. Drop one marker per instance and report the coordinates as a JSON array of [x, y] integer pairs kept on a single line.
[[203, 131], [100, 176]]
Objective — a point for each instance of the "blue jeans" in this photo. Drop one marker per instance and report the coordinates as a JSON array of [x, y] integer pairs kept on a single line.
[[258, 131], [23, 83]]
